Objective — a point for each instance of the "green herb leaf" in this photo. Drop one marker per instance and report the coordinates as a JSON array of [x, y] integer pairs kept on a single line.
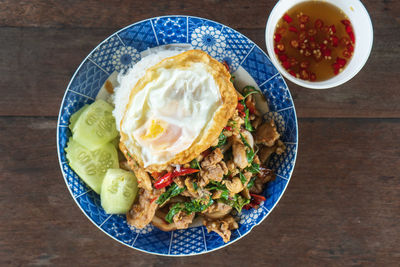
[[221, 139], [195, 186], [242, 178], [214, 185], [247, 123], [251, 183], [196, 205], [253, 168], [173, 211], [237, 202], [249, 90], [194, 164], [172, 191], [240, 202]]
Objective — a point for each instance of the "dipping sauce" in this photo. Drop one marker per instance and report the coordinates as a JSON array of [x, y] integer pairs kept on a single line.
[[314, 40]]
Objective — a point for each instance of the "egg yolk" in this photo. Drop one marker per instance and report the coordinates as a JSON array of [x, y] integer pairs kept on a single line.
[[156, 128]]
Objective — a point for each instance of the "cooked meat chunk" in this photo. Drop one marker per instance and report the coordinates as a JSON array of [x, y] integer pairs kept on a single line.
[[266, 151], [159, 222], [215, 173], [182, 219], [267, 134], [237, 121], [144, 180], [239, 152], [256, 122], [217, 210], [142, 212], [232, 168], [263, 177], [234, 186], [222, 227], [213, 168], [212, 159]]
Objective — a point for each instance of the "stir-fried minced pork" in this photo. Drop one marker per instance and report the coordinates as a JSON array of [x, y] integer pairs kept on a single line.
[[142, 212], [229, 175], [222, 227]]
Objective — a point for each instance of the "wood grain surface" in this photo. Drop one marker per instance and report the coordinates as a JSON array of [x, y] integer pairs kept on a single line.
[[341, 208]]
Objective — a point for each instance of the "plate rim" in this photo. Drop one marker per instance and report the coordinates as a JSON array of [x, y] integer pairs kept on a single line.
[[99, 226]]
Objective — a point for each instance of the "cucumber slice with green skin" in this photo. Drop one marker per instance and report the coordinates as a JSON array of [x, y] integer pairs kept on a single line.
[[91, 166], [95, 126], [118, 191], [74, 117]]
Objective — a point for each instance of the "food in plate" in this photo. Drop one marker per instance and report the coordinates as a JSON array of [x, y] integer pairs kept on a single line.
[[198, 148], [314, 40]]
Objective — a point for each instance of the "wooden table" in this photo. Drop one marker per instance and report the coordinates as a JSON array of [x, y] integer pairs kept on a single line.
[[342, 206]]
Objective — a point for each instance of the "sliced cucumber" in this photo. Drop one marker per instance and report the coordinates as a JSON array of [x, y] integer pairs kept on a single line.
[[118, 191], [74, 117], [91, 166], [95, 126]]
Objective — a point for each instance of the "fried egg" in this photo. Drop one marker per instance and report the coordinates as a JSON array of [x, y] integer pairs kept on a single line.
[[176, 110]]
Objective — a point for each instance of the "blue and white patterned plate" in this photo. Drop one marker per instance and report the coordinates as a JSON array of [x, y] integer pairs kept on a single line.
[[117, 53]]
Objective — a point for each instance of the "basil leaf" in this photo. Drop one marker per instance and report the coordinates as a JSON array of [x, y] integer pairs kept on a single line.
[[221, 139], [194, 164], [253, 168], [237, 202], [247, 123], [242, 178], [172, 191], [250, 155], [214, 185], [195, 186], [240, 202], [251, 183], [173, 211], [249, 90], [196, 205]]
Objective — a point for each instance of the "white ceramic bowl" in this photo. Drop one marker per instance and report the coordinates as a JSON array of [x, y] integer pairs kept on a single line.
[[363, 31]]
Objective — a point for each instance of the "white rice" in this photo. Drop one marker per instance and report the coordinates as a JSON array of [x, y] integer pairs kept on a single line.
[[129, 80]]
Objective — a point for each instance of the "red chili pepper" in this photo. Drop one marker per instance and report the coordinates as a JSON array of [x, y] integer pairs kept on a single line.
[[277, 37], [332, 28], [349, 29], [167, 179], [352, 37], [283, 57], [184, 171], [345, 22], [293, 29], [258, 197], [164, 181], [276, 50], [226, 65], [287, 18], [291, 72], [341, 61], [151, 201], [286, 64], [240, 108], [335, 41], [318, 24], [228, 128], [350, 48], [250, 206]]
